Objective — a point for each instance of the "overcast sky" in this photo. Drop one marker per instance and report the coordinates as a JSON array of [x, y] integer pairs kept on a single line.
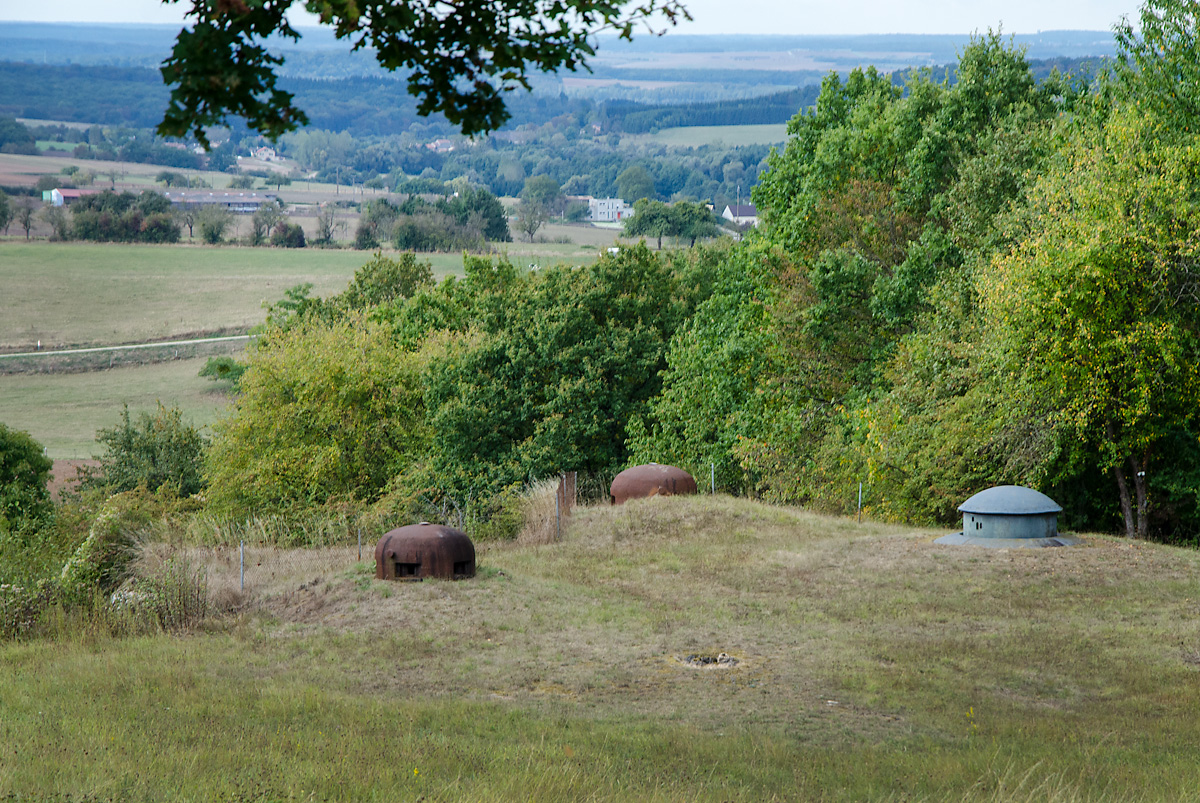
[[727, 16]]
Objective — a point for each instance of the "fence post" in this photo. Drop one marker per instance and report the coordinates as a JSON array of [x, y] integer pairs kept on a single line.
[[242, 565], [860, 502], [712, 478], [360, 543], [558, 510]]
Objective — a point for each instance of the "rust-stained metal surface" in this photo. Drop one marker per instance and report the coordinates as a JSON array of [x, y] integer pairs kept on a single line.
[[424, 550], [651, 479]]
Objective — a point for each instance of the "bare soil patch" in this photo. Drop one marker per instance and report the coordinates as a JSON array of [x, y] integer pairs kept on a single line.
[[64, 476]]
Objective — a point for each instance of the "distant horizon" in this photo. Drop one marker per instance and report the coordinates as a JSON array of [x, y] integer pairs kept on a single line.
[[674, 33], [713, 17]]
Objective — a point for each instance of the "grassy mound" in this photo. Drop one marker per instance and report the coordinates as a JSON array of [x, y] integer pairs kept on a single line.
[[871, 663]]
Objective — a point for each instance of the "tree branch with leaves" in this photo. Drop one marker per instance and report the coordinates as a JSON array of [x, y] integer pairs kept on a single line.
[[461, 58]]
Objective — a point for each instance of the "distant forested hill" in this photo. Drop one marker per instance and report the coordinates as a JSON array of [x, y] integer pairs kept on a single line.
[[379, 106]]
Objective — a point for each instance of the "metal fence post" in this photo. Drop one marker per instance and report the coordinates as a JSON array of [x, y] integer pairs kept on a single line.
[[242, 564], [712, 478], [860, 502]]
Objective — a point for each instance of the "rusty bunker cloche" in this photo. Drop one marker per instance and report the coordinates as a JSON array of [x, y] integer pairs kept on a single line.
[[651, 479], [424, 550]]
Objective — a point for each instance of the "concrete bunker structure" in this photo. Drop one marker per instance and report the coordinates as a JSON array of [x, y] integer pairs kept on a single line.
[[651, 479], [424, 550], [1011, 516]]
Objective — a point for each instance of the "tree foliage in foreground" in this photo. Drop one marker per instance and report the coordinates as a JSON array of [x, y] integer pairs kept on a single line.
[[1098, 310], [326, 410], [460, 64]]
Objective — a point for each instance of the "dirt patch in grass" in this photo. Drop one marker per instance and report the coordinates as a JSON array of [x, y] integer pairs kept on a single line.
[[64, 476]]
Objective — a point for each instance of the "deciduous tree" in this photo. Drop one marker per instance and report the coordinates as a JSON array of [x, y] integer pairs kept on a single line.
[[1098, 307], [460, 61], [24, 215]]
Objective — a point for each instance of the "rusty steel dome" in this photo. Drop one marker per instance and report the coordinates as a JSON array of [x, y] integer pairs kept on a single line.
[[424, 550], [651, 479], [1010, 516]]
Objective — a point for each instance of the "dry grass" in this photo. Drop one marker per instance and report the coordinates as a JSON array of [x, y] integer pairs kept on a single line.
[[873, 664], [543, 519]]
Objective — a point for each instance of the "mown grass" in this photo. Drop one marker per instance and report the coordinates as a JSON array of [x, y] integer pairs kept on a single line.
[[63, 411], [874, 665], [104, 294]]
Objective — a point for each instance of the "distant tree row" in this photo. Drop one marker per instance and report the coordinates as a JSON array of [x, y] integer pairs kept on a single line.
[[466, 221]]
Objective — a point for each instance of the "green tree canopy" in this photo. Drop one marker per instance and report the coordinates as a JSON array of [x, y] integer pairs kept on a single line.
[[155, 450], [24, 474], [635, 183], [1098, 308], [459, 64], [326, 410]]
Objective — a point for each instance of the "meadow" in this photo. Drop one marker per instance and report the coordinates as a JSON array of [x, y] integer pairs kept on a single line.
[[91, 294], [63, 411], [728, 135], [872, 664]]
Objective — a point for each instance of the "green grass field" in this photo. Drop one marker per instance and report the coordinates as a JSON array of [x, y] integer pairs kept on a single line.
[[873, 664], [63, 411], [104, 294], [695, 136]]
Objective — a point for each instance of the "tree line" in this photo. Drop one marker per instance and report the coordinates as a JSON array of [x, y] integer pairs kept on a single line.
[[956, 285]]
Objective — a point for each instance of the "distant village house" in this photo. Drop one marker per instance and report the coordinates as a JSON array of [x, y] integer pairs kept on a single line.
[[741, 214], [607, 210], [65, 197]]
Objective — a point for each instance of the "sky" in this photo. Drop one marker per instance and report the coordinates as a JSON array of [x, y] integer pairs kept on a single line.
[[792, 17]]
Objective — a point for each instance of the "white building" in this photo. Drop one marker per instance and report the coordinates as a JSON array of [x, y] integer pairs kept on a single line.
[[741, 214], [607, 210]]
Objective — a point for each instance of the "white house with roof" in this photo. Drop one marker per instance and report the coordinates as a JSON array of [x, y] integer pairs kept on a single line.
[[607, 210], [741, 214], [61, 196]]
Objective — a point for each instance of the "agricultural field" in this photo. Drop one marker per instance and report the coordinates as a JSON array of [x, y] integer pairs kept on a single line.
[[63, 411], [868, 663], [727, 135], [86, 294]]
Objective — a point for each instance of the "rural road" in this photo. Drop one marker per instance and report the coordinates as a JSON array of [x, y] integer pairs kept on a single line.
[[161, 344]]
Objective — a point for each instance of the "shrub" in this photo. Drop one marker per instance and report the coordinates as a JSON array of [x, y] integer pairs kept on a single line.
[[24, 474], [288, 235], [156, 451], [224, 368], [102, 562], [327, 410]]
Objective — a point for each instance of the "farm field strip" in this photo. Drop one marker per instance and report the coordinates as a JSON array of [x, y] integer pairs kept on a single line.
[[64, 411], [90, 294], [696, 136]]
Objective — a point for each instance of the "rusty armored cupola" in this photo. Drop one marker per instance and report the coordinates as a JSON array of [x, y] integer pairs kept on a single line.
[[651, 479], [1010, 516], [424, 550]]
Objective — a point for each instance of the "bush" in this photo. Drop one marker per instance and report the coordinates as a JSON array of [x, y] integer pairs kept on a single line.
[[102, 562], [288, 235], [326, 410], [224, 368], [24, 474], [156, 451]]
